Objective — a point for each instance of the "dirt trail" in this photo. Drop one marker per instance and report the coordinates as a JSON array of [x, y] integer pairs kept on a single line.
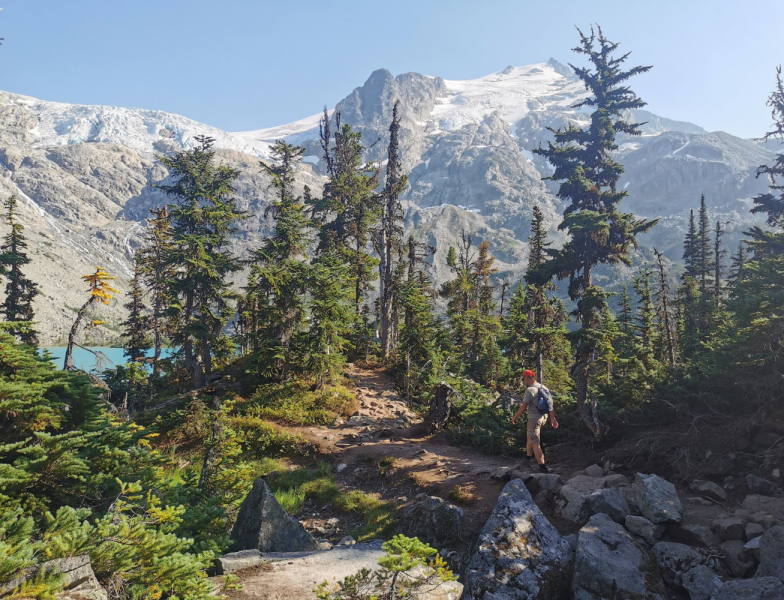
[[423, 464]]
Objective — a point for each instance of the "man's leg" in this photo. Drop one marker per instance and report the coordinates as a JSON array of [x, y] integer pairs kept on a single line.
[[537, 448]]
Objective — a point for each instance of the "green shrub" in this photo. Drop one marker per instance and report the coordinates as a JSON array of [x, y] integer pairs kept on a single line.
[[409, 569], [295, 403]]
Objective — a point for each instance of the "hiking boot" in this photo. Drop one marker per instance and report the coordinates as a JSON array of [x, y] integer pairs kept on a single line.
[[544, 469]]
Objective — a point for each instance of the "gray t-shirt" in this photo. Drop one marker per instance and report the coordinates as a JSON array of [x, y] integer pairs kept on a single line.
[[532, 398]]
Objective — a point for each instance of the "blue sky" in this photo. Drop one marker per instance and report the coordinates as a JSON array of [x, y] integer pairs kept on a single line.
[[242, 64]]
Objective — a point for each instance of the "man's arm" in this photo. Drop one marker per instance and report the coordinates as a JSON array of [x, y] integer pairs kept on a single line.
[[553, 421], [519, 412]]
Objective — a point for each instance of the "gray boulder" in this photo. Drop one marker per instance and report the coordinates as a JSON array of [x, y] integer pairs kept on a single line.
[[701, 583], [709, 489], [771, 553], [79, 581], [236, 561], [729, 528], [610, 502], [573, 505], [765, 588], [692, 534], [520, 554], [615, 480], [644, 528], [758, 485], [738, 560], [752, 530], [263, 525], [610, 564], [594, 471], [586, 484], [752, 548], [658, 500], [434, 521], [674, 560]]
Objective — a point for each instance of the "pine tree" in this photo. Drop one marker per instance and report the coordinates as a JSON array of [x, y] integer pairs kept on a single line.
[[718, 256], [703, 250], [420, 330], [136, 329], [203, 219], [544, 310], [389, 234], [20, 291], [274, 301], [689, 248], [758, 289], [460, 293], [157, 271], [665, 310], [331, 317], [349, 208], [100, 291], [647, 332], [599, 233]]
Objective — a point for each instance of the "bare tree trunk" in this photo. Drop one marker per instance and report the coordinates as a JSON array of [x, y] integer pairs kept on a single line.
[[68, 363]]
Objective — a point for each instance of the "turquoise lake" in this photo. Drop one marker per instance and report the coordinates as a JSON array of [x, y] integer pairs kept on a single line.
[[87, 362]]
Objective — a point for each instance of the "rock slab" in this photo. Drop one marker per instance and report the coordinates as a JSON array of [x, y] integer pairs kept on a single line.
[[658, 500], [236, 561], [520, 555], [263, 525], [610, 502], [610, 564]]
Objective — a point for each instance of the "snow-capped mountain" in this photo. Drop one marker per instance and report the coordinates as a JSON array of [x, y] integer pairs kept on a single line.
[[87, 175]]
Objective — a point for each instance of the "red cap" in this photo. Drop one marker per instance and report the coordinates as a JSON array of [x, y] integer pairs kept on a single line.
[[529, 373]]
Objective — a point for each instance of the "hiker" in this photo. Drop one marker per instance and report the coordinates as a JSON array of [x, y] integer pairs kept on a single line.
[[536, 418]]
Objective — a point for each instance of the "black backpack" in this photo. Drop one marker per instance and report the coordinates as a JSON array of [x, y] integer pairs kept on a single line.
[[544, 404]]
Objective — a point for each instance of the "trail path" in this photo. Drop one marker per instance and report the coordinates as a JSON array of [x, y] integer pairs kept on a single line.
[[423, 464]]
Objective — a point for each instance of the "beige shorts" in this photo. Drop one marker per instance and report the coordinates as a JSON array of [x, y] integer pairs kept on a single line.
[[534, 428]]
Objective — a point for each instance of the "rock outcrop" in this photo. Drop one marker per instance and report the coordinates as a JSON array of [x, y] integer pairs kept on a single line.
[[520, 554], [610, 564], [263, 525]]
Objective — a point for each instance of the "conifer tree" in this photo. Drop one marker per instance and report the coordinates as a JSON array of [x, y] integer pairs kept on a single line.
[[389, 234], [203, 219], [137, 327], [758, 293], [274, 302], [598, 232], [647, 332], [665, 310], [100, 291], [157, 271], [703, 251], [331, 317], [689, 248], [349, 208], [20, 291], [460, 293], [718, 256], [545, 312], [420, 329]]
